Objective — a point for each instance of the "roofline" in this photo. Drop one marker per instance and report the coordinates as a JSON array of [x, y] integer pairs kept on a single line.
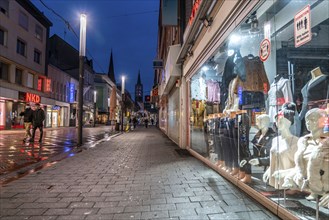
[[35, 12]]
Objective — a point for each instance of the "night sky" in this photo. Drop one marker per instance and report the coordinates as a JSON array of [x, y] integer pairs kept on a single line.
[[128, 27]]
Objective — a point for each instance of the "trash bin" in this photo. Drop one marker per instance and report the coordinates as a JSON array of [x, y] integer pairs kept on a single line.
[[117, 126]]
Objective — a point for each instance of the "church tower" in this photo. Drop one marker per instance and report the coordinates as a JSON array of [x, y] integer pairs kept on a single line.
[[110, 72], [139, 89]]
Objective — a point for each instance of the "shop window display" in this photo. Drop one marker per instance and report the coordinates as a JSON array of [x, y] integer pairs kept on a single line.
[[265, 120]]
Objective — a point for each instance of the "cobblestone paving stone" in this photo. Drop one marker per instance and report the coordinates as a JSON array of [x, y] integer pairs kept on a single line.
[[136, 175]]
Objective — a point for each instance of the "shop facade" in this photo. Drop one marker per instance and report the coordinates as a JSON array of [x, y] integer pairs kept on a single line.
[[257, 83], [12, 103]]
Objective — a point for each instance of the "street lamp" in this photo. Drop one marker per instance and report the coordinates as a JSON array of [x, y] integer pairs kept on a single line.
[[122, 98], [108, 113], [82, 54], [95, 99]]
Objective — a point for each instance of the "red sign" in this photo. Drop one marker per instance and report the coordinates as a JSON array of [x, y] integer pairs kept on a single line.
[[48, 85], [39, 84], [194, 10], [29, 97], [265, 49]]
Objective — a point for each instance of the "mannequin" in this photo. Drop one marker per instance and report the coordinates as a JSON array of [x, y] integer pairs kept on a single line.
[[261, 142], [283, 147], [316, 89], [311, 172], [279, 93]]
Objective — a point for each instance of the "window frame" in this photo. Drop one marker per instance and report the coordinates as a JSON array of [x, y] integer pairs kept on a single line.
[[36, 32], [5, 3], [23, 20], [35, 58], [3, 42], [19, 43]]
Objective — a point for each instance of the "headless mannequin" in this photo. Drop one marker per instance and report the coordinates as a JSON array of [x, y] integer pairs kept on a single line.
[[282, 152], [316, 72], [311, 172]]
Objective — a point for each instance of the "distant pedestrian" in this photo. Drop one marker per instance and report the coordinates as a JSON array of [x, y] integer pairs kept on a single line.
[[146, 121], [152, 121], [28, 116], [135, 122], [38, 118]]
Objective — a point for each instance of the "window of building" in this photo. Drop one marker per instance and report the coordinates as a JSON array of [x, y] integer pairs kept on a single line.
[[4, 6], [23, 20], [21, 47], [3, 37], [18, 76], [37, 56], [38, 32], [30, 77], [4, 69]]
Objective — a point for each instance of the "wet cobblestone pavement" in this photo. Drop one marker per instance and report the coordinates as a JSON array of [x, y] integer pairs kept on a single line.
[[16, 154], [136, 175]]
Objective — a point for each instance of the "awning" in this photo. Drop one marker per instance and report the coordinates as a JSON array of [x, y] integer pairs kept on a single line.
[[113, 103]]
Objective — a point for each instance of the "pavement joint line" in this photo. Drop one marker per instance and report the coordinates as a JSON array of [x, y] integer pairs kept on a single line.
[[16, 174]]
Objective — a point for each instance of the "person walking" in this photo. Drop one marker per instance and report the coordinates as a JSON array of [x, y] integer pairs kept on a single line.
[[38, 118], [134, 122], [146, 121], [28, 115]]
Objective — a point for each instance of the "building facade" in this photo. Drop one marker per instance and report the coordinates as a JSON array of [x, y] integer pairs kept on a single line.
[[24, 33], [254, 78]]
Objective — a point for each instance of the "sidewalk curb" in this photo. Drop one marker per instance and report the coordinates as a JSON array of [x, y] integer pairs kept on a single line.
[[16, 174]]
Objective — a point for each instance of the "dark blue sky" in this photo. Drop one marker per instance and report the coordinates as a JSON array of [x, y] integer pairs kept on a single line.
[[128, 27]]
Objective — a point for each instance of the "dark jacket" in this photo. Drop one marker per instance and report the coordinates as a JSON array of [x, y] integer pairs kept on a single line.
[[38, 117], [263, 147], [28, 115]]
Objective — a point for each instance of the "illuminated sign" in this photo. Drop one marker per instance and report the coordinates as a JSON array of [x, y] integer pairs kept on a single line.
[[72, 91], [39, 84], [29, 97], [56, 107], [48, 85], [194, 11]]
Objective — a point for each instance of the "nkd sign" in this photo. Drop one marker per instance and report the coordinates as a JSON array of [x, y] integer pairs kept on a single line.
[[29, 97]]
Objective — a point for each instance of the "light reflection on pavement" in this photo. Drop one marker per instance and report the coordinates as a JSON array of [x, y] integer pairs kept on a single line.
[[16, 154]]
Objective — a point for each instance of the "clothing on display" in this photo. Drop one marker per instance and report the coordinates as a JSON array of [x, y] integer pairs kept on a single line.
[[198, 89], [256, 78], [279, 93], [213, 91]]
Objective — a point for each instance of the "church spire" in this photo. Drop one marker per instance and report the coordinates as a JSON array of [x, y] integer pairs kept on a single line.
[[139, 78], [110, 72]]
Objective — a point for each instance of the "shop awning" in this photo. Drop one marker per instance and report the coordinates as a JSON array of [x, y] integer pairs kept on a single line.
[[113, 103]]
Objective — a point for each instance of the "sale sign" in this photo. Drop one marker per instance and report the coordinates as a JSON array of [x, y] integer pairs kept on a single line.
[[302, 26]]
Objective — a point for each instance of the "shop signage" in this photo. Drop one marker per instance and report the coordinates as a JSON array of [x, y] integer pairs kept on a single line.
[[72, 91], [39, 84], [302, 26], [56, 107], [195, 8], [48, 85], [29, 97], [265, 49]]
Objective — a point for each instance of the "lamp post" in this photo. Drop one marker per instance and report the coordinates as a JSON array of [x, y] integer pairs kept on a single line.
[[122, 98], [108, 113], [82, 54], [95, 100]]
